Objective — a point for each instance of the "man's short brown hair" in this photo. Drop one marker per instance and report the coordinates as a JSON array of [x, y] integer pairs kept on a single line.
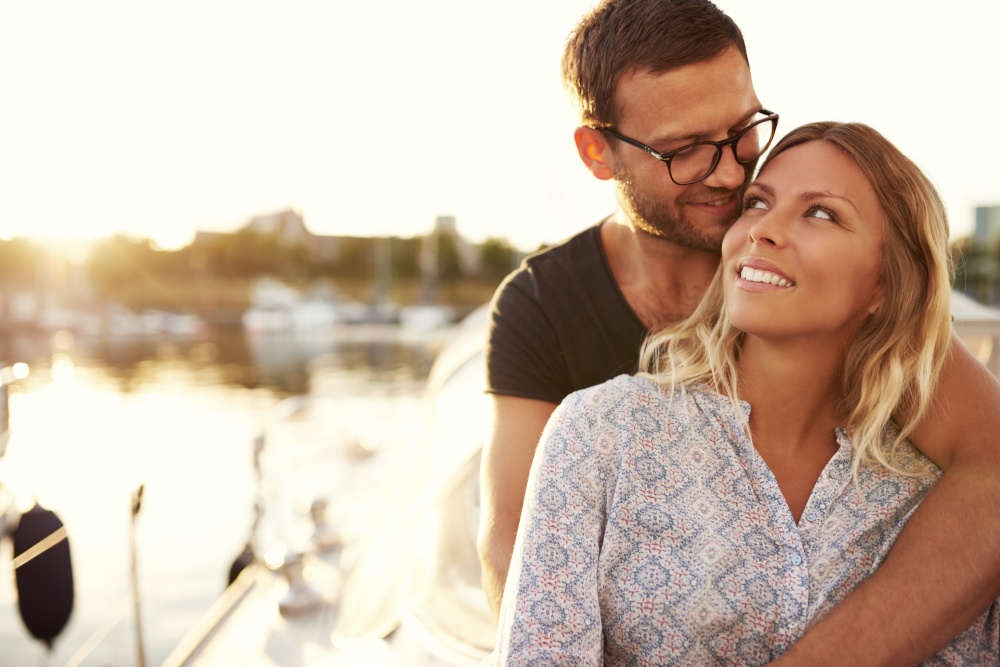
[[622, 36]]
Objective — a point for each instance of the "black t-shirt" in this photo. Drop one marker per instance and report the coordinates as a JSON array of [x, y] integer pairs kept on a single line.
[[560, 323]]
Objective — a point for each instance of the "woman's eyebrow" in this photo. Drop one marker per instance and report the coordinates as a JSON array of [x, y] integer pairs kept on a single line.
[[768, 190], [820, 194], [806, 196]]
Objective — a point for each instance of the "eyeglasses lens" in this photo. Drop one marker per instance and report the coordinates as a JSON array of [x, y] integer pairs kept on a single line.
[[693, 163], [755, 141]]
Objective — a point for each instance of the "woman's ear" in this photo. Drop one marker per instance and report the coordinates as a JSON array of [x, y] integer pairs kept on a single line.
[[876, 301], [595, 152]]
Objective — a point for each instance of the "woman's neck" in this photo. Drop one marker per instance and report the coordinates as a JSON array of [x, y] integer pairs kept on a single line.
[[793, 389]]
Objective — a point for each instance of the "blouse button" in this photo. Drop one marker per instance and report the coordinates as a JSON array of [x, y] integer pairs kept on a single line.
[[796, 559], [811, 516]]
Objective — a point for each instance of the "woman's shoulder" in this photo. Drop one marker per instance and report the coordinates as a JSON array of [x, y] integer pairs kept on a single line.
[[626, 393], [619, 390], [905, 458], [624, 388]]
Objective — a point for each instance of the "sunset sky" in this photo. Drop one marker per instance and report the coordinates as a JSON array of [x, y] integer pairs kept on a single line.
[[374, 118]]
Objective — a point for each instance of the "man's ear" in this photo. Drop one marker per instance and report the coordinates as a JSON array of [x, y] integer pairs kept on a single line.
[[592, 145]]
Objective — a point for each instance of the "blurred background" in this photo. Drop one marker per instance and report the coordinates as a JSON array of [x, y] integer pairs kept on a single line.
[[210, 208]]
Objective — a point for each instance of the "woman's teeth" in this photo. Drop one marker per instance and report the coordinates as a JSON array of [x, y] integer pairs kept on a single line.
[[758, 276]]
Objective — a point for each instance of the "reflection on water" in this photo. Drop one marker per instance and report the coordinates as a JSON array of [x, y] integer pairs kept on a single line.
[[280, 362], [96, 418]]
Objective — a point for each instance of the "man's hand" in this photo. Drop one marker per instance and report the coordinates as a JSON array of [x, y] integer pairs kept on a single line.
[[944, 570], [517, 426]]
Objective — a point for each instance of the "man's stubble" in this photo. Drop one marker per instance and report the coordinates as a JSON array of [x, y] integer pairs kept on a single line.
[[666, 220]]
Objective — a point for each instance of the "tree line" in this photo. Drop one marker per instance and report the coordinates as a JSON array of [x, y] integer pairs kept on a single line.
[[122, 265]]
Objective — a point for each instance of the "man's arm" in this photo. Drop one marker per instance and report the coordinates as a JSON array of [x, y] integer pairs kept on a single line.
[[944, 569], [514, 433]]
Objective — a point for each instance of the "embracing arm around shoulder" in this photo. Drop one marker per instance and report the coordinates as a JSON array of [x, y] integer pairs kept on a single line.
[[944, 568], [517, 425]]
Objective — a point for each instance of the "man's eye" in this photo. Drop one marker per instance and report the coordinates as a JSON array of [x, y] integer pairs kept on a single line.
[[685, 153]]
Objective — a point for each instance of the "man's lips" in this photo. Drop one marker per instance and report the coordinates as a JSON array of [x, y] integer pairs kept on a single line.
[[717, 205]]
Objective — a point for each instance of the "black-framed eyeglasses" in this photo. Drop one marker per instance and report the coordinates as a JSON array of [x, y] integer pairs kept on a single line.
[[695, 162]]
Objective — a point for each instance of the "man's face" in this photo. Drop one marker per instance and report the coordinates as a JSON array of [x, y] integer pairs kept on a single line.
[[706, 101]]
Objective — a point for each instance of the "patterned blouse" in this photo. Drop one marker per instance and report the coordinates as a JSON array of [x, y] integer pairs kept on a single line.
[[653, 533]]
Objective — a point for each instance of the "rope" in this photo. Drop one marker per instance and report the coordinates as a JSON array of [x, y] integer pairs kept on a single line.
[[100, 633], [40, 547]]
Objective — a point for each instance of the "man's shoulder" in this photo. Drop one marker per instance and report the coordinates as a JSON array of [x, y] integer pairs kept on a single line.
[[560, 323], [553, 269], [584, 243]]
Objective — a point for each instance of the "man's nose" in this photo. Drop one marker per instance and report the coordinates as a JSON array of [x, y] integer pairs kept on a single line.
[[728, 173]]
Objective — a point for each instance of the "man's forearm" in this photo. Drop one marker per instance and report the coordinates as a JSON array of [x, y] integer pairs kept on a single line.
[[507, 455], [494, 555], [941, 574]]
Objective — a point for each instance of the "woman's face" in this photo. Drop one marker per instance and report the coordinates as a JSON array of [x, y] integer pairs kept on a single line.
[[804, 258]]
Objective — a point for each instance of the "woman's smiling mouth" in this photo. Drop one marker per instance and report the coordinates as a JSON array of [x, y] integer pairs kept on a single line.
[[757, 273], [758, 276]]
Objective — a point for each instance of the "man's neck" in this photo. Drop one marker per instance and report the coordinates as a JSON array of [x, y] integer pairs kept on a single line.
[[661, 281]]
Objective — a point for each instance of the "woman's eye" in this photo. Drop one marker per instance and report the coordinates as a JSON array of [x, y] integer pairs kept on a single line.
[[821, 213], [754, 202]]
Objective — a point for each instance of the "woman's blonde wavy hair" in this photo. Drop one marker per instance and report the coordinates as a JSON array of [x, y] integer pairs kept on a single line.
[[892, 362]]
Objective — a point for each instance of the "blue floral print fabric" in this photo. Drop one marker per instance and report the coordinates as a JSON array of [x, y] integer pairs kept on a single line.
[[654, 534]]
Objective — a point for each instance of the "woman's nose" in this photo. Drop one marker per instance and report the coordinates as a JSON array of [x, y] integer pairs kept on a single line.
[[766, 231]]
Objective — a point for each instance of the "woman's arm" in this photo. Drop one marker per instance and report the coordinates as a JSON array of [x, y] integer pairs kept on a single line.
[[944, 569], [550, 606]]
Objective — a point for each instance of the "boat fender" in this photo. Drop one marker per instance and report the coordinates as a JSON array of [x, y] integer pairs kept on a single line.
[[44, 583]]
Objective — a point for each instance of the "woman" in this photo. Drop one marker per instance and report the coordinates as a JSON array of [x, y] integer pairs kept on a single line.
[[711, 509]]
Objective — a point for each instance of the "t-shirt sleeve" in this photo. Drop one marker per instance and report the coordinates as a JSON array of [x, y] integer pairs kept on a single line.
[[551, 612], [524, 357]]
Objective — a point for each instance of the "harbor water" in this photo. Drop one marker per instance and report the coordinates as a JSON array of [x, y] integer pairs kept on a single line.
[[95, 419]]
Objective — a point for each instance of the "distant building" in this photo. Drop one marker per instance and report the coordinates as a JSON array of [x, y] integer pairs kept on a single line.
[[468, 253], [288, 227], [445, 224], [987, 235], [982, 266]]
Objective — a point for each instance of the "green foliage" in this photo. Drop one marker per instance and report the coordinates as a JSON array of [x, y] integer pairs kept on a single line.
[[121, 259], [449, 262], [356, 258], [405, 257], [19, 261], [497, 258], [124, 268]]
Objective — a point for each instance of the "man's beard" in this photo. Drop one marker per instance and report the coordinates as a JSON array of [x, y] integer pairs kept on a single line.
[[665, 220]]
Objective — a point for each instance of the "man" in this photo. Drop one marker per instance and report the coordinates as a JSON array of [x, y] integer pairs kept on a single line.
[[652, 77]]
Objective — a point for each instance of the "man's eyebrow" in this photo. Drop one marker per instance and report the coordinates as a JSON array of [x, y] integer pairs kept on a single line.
[[696, 136]]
